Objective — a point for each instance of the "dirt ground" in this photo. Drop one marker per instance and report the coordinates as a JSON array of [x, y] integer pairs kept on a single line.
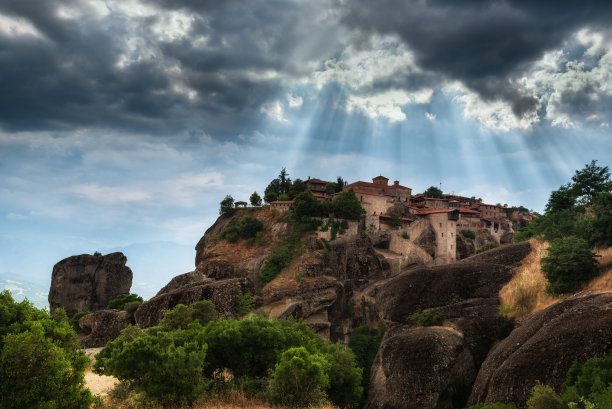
[[97, 384]]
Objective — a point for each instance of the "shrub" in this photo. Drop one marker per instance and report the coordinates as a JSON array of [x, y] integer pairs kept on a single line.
[[428, 319], [120, 301], [166, 366], [298, 278], [245, 304], [41, 363], [97, 254], [181, 316], [347, 206], [74, 321], [131, 307], [570, 263], [487, 246], [591, 380], [468, 234], [247, 228], [345, 376], [280, 258], [226, 208], [300, 378], [544, 397], [405, 235], [213, 238], [364, 343]]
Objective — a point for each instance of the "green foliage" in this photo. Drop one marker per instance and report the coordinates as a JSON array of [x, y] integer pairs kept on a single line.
[[245, 304], [97, 254], [284, 197], [364, 343], [297, 187], [181, 316], [590, 181], [396, 219], [347, 206], [226, 208], [280, 185], [247, 228], [433, 191], [428, 319], [487, 246], [544, 397], [74, 321], [299, 378], [41, 363], [279, 259], [468, 234], [298, 278], [496, 405], [325, 244], [255, 199], [214, 238], [562, 199], [570, 263], [131, 307], [120, 301], [166, 366], [405, 235], [589, 382], [345, 376], [330, 188], [306, 205]]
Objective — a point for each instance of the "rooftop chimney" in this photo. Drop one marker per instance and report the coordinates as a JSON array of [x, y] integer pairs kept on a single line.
[[395, 182]]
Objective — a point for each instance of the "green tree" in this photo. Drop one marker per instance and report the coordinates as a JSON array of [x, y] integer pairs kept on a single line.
[[570, 263], [181, 316], [364, 343], [591, 380], [331, 188], [561, 199], [347, 206], [41, 363], [120, 301], [544, 397], [297, 187], [227, 206], [433, 191], [255, 199], [306, 205], [590, 181], [340, 183], [396, 218], [300, 378]]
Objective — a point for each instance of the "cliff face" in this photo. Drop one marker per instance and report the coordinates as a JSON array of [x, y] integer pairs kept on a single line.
[[88, 283]]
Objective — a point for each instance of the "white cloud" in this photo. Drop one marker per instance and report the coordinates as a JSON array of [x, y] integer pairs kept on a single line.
[[108, 194], [18, 27], [387, 104], [294, 102], [275, 111], [430, 116]]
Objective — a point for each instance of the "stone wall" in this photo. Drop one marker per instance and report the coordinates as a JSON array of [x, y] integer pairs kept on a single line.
[[446, 237], [352, 229]]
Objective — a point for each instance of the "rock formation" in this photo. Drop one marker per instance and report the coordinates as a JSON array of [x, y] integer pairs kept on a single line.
[[88, 283], [103, 326], [544, 347]]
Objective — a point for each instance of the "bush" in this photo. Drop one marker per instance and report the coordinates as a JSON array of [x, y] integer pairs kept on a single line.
[[364, 343], [74, 321], [428, 319], [120, 301], [299, 379], [570, 264], [591, 381], [226, 208], [487, 246], [347, 206], [166, 366], [468, 234], [41, 363], [245, 304], [405, 235], [504, 324], [131, 307], [345, 376], [280, 258], [247, 228], [544, 397], [181, 316]]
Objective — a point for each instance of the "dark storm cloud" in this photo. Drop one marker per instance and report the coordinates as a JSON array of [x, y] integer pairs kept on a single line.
[[484, 44], [72, 77]]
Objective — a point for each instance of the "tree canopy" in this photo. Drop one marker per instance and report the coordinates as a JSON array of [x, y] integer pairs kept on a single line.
[[433, 191]]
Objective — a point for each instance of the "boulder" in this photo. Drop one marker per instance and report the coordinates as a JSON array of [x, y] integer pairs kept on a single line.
[[544, 347], [103, 326], [354, 258], [222, 293], [88, 283], [420, 368]]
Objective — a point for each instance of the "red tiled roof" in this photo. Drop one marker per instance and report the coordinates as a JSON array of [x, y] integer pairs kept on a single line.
[[430, 211], [436, 198], [384, 216], [491, 205], [316, 181], [466, 210], [320, 195], [240, 202], [363, 192], [378, 186]]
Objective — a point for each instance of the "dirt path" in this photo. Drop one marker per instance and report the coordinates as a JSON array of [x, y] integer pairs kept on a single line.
[[98, 384]]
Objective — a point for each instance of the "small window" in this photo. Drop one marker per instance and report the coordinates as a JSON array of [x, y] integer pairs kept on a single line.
[[442, 234], [451, 246], [440, 224], [451, 236]]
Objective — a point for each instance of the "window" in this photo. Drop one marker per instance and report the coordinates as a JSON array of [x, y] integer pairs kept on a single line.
[[440, 224], [442, 234]]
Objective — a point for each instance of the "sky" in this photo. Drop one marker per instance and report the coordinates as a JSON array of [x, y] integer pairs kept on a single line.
[[124, 123]]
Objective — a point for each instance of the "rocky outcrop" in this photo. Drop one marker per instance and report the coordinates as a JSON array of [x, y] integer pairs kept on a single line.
[[103, 326], [427, 240], [544, 347], [88, 283], [465, 247], [420, 368], [223, 294], [353, 258], [466, 293]]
